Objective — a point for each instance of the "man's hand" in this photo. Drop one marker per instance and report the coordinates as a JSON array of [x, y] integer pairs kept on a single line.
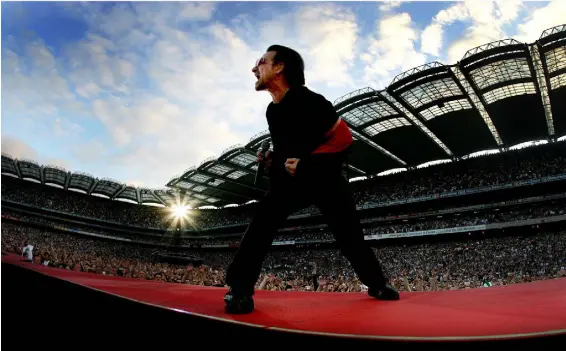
[[266, 158], [291, 165]]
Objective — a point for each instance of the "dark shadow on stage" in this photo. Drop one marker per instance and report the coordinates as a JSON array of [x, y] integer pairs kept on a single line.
[[41, 310]]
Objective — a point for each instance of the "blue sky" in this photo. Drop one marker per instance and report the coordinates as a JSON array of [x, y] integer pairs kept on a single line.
[[139, 92]]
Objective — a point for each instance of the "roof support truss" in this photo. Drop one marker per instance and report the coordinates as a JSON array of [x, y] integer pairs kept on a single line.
[[118, 192], [239, 168], [408, 111], [230, 180], [358, 132], [208, 186], [94, 183], [67, 180], [197, 199], [17, 167], [536, 64], [468, 86], [478, 100]]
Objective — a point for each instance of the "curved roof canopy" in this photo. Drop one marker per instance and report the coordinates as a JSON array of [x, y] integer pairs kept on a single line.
[[500, 94], [83, 182]]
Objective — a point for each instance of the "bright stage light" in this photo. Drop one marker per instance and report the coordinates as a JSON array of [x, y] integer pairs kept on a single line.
[[179, 211]]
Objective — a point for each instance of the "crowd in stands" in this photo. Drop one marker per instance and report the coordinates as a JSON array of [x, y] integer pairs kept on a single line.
[[322, 233], [416, 267], [446, 265], [483, 171]]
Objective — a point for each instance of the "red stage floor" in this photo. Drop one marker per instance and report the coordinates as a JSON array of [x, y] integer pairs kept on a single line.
[[520, 310]]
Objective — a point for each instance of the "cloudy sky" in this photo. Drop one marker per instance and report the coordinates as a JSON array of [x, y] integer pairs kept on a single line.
[[139, 92]]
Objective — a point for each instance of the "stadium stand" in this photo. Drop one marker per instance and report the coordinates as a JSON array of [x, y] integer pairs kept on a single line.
[[447, 195]]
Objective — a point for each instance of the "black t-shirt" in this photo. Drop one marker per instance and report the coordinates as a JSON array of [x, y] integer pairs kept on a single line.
[[298, 124]]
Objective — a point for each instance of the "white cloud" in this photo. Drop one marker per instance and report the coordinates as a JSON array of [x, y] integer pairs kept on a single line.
[[168, 98], [432, 35], [541, 19], [390, 5], [195, 11], [392, 50], [18, 148], [331, 34], [487, 22], [62, 129]]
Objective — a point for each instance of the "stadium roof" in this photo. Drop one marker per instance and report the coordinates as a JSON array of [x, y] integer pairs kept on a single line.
[[27, 169], [498, 95]]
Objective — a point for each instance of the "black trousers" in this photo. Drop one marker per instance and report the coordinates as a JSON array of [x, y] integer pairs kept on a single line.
[[332, 195]]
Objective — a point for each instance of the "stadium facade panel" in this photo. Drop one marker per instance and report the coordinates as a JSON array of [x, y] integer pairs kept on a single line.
[[9, 165], [30, 169], [148, 196], [107, 187], [55, 175], [167, 197], [82, 181], [129, 193]]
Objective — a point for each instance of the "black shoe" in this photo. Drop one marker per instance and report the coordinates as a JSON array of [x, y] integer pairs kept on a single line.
[[238, 304], [387, 293]]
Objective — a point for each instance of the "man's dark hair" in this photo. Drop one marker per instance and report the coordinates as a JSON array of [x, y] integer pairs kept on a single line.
[[294, 71]]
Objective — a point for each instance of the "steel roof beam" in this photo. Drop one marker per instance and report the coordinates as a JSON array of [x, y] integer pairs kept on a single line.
[[486, 117], [207, 184], [542, 56], [417, 123], [230, 180], [366, 139], [67, 180], [359, 130], [17, 167], [196, 198], [215, 188], [157, 197], [118, 192], [240, 168], [479, 63], [480, 105], [94, 183], [541, 87], [211, 179], [356, 170], [42, 174]]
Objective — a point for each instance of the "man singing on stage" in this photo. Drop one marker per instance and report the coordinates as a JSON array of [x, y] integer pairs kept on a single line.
[[310, 146]]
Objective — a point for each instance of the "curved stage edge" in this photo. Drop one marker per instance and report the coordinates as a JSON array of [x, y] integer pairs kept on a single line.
[[39, 305]]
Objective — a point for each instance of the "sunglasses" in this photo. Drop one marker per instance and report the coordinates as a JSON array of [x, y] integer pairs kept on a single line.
[[261, 61]]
